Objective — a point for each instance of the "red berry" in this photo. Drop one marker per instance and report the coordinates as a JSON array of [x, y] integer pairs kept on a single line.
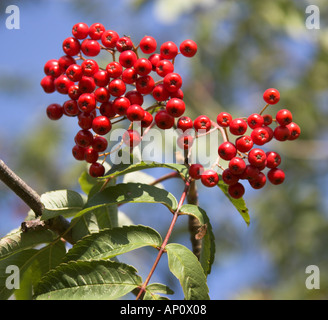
[[202, 123], [74, 72], [135, 112], [90, 155], [123, 44], [101, 78], [164, 67], [164, 120], [276, 176], [135, 97], [294, 130], [273, 159], [224, 119], [236, 191], [147, 119], [78, 152], [48, 85], [89, 67], [244, 143], [85, 120], [284, 117], [87, 84], [65, 61], [229, 178], [238, 126], [271, 96], [175, 107], [96, 30], [62, 84], [74, 92], [128, 58], [90, 48], [49, 66], [209, 178], [259, 181], [160, 93], [71, 108], [116, 87], [107, 109], [267, 119], [121, 105], [185, 141], [101, 125], [143, 66], [168, 50], [114, 69], [177, 94], [96, 170], [145, 84], [281, 133], [86, 102], [172, 82], [260, 136], [154, 59], [255, 120], [237, 165], [109, 38], [80, 30], [227, 150], [148, 45], [55, 111], [250, 173], [102, 94], [84, 138], [131, 138], [99, 144], [184, 123], [129, 75], [196, 170], [71, 46], [188, 48], [257, 157]]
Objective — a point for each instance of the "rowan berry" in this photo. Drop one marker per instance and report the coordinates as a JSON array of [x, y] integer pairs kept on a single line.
[[260, 136], [101, 125], [184, 123], [271, 96], [90, 48], [91, 155], [244, 143], [147, 119], [80, 30], [257, 157], [55, 111], [175, 107], [96, 30], [78, 152], [294, 130], [229, 178], [172, 82], [135, 112], [168, 50], [71, 108], [128, 58], [86, 102], [148, 45], [89, 67], [237, 165], [276, 176], [96, 170], [116, 87], [74, 72], [202, 123], [71, 46], [238, 126], [65, 61], [255, 120], [124, 44], [164, 120], [281, 133], [107, 109], [109, 38], [209, 178], [135, 97], [114, 69], [188, 48], [267, 119], [129, 75], [259, 181], [160, 93], [236, 191], [164, 67], [102, 94], [131, 138], [273, 159], [121, 105], [99, 144], [143, 66], [227, 150], [48, 85], [284, 117], [224, 119], [87, 84], [185, 141], [84, 138], [196, 170], [62, 84], [145, 84], [101, 78]]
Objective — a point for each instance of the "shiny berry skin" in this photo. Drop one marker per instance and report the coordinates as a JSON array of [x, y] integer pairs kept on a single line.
[[250, 173], [74, 92], [238, 126], [172, 82], [160, 93], [271, 96], [85, 120], [84, 138], [202, 123], [188, 48], [196, 170], [273, 159], [131, 138], [135, 112], [71, 46], [90, 48], [236, 191], [90, 155], [114, 69], [102, 94], [107, 109], [209, 178], [101, 125], [224, 119], [49, 66], [116, 87], [101, 78], [237, 165], [147, 119], [168, 50], [244, 143], [124, 44], [96, 30], [281, 133], [175, 107], [135, 97], [71, 108], [177, 94], [145, 84], [227, 150], [80, 30], [184, 123], [294, 130], [148, 45], [154, 59], [258, 182], [164, 120], [48, 85], [62, 84], [128, 58], [74, 72], [255, 120], [164, 67], [96, 170], [260, 136], [109, 38], [143, 66], [65, 61], [89, 67], [87, 84], [276, 176], [99, 144], [257, 157], [86, 102], [284, 117], [78, 152], [267, 119], [121, 105], [129, 75], [229, 178], [185, 141], [55, 111]]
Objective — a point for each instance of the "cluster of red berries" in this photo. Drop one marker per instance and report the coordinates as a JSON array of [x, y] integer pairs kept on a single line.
[[98, 95], [247, 162]]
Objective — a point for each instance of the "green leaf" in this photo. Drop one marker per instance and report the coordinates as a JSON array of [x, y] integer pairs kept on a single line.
[[61, 202], [122, 169], [208, 241], [185, 266], [239, 204], [112, 242], [130, 192], [88, 280], [154, 288]]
